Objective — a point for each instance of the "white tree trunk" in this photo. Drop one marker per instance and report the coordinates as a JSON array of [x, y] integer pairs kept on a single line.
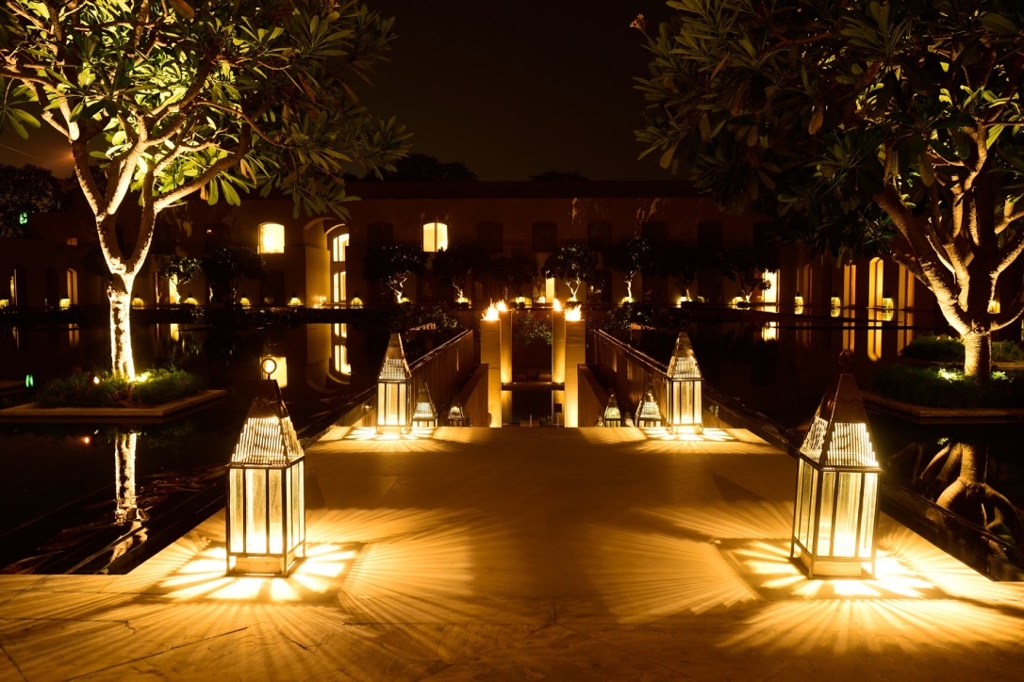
[[978, 354], [119, 293]]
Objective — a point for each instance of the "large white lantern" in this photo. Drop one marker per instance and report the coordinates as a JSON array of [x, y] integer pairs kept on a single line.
[[612, 416], [266, 510], [685, 387], [393, 389], [836, 506]]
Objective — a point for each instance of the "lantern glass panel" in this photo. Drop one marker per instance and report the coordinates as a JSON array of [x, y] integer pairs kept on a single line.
[[256, 519], [828, 487], [237, 498], [867, 516], [847, 506], [276, 525]]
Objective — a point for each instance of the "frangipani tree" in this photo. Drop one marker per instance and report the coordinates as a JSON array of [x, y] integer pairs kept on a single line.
[[859, 122], [171, 97], [628, 257], [573, 264]]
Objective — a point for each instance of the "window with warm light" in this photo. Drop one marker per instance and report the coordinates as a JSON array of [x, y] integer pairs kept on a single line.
[[339, 247], [876, 272], [339, 281], [435, 237], [271, 238]]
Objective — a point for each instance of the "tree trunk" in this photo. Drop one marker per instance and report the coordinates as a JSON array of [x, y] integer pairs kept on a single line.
[[119, 293], [124, 464], [978, 355]]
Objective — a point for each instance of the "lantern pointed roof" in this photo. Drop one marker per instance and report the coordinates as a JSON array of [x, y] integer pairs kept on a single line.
[[394, 367], [683, 364], [612, 411], [838, 436], [268, 436], [424, 404]]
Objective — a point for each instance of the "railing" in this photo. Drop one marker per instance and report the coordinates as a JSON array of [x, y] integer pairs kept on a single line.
[[445, 369], [629, 372]]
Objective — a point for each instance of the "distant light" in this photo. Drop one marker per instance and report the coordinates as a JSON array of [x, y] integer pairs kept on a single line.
[[30, 381]]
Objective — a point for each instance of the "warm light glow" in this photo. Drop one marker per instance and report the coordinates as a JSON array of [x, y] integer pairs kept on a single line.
[[770, 331], [798, 300], [502, 307], [244, 302], [96, 380], [993, 307], [435, 237], [295, 301], [271, 238], [626, 299], [835, 302], [556, 305], [65, 303], [4, 302], [278, 369], [574, 314], [136, 302], [682, 299], [356, 302], [190, 301], [491, 314]]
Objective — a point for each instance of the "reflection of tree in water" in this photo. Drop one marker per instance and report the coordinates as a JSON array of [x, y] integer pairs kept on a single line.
[[956, 478]]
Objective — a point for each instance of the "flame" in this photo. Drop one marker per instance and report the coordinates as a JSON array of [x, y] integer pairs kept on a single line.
[[573, 314], [556, 305], [491, 314], [502, 307]]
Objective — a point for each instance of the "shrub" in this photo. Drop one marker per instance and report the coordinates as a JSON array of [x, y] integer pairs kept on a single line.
[[83, 390], [946, 349], [939, 387]]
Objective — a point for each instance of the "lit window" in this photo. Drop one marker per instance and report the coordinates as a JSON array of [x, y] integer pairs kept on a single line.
[[435, 237], [338, 287], [338, 247], [271, 238], [72, 241]]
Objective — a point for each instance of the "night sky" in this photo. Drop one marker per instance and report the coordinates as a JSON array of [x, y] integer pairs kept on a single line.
[[509, 89]]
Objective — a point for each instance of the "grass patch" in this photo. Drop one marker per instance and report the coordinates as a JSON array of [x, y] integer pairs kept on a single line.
[[940, 387], [151, 388], [946, 349]]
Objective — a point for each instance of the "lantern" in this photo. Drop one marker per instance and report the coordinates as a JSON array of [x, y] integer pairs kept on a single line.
[[424, 415], [393, 389], [612, 414], [836, 506], [456, 414], [685, 387], [648, 414], [266, 509]]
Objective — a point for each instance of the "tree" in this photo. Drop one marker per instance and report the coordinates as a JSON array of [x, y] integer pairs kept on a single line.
[[859, 122], [393, 264], [424, 168], [514, 272], [747, 266], [573, 264], [178, 269], [178, 97], [23, 191], [226, 267], [628, 257], [455, 264]]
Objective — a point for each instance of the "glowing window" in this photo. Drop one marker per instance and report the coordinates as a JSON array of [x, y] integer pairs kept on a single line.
[[271, 238], [338, 287], [72, 241], [771, 294], [850, 285], [435, 237], [876, 271], [339, 245]]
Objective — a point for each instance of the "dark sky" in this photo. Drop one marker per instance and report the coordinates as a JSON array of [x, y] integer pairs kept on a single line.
[[509, 89]]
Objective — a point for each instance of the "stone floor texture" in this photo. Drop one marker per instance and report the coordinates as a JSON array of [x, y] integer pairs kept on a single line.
[[526, 554]]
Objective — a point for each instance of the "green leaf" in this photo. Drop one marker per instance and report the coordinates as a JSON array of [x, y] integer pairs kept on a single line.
[[997, 23]]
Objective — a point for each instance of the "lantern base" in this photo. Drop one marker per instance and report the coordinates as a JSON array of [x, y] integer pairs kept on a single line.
[[832, 567], [277, 566]]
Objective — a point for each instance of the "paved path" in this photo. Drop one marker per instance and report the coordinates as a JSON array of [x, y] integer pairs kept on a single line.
[[525, 554]]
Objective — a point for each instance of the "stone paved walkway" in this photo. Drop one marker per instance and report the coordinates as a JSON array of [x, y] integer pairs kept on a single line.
[[525, 554]]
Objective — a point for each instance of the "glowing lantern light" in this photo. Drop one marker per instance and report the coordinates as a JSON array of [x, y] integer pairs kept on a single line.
[[244, 302], [798, 300], [393, 389], [836, 506], [266, 509], [457, 415], [835, 302], [65, 303], [685, 388], [136, 302], [612, 416], [424, 415], [648, 414], [295, 301]]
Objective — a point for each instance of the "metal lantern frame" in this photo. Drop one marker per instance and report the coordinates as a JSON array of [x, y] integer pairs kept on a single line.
[[685, 388], [393, 389], [425, 414], [457, 414], [836, 503], [612, 416], [648, 414], [266, 507]]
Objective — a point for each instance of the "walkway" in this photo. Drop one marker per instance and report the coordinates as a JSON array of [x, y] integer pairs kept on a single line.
[[525, 554]]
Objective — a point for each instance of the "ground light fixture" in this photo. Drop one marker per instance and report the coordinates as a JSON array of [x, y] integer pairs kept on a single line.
[[612, 416], [266, 507], [456, 414], [836, 506], [648, 414], [424, 415], [393, 390], [685, 389]]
